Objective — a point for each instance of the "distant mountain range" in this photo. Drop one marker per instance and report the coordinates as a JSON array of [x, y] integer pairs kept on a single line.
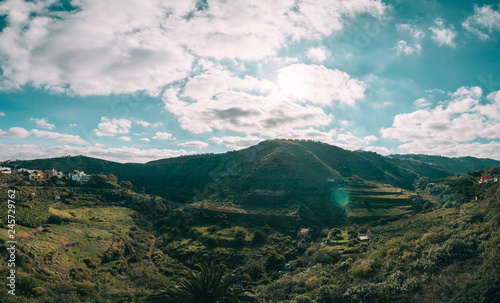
[[306, 171]]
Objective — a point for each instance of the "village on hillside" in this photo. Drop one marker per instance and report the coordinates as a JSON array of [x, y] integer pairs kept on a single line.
[[39, 175]]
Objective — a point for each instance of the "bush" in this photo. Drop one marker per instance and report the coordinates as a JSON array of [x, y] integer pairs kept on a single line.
[[274, 261], [303, 299]]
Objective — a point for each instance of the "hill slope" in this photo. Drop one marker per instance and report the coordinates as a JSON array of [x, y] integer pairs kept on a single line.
[[308, 173]]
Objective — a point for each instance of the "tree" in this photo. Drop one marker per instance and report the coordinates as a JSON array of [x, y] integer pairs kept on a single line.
[[274, 261], [126, 184], [209, 285]]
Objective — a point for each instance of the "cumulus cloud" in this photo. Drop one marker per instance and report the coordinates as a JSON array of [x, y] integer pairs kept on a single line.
[[2, 114], [484, 22], [421, 103], [43, 123], [146, 46], [218, 100], [111, 127], [61, 138], [318, 84], [195, 144], [117, 154], [317, 54], [163, 136], [145, 139], [125, 138], [236, 142], [402, 47], [19, 133], [15, 132], [443, 35], [412, 32], [452, 127], [143, 123]]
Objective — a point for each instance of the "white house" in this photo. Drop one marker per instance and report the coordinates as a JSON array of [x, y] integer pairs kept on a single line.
[[77, 175], [5, 170]]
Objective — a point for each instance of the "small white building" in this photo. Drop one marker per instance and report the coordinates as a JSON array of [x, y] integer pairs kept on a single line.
[[5, 170], [77, 175], [25, 170]]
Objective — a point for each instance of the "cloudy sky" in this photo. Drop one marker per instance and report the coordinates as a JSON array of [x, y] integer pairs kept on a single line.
[[136, 80]]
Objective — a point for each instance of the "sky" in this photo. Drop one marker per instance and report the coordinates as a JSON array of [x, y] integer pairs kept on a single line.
[[140, 80]]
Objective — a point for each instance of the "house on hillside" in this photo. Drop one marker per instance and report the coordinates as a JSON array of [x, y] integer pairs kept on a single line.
[[304, 233], [484, 179], [54, 173], [368, 236], [37, 175], [79, 176], [5, 170]]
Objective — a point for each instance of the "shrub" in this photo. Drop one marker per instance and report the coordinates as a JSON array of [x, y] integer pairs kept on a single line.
[[303, 299]]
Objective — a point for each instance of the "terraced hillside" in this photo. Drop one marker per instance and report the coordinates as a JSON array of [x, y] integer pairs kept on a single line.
[[372, 201]]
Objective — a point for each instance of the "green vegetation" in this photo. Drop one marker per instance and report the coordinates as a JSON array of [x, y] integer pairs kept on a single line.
[[236, 236]]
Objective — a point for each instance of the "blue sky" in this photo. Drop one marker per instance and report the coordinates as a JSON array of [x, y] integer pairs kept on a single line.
[[135, 81]]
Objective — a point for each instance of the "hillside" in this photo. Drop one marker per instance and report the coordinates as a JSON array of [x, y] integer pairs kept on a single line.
[[429, 166], [111, 244], [309, 173]]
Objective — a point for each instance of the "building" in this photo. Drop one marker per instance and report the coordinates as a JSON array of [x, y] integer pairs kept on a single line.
[[37, 175], [304, 233], [78, 176], [5, 170], [54, 173], [368, 236], [484, 179]]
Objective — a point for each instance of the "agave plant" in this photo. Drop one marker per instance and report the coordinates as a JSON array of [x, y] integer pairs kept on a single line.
[[208, 285]]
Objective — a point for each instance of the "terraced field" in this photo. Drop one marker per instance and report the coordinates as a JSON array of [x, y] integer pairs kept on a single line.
[[372, 201]]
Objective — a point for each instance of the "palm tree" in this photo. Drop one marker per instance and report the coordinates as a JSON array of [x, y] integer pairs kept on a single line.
[[209, 285]]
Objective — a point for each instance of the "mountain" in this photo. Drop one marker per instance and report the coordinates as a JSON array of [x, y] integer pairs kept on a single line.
[[307, 173], [436, 166]]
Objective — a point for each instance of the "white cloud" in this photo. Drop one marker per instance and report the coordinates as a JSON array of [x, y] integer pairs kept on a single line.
[[196, 144], [403, 48], [413, 33], [484, 22], [61, 138], [43, 123], [422, 103], [378, 149], [145, 139], [147, 45], [143, 123], [451, 127], [220, 100], [157, 124], [351, 142], [111, 127], [317, 54], [117, 154], [236, 142], [317, 84], [443, 35], [72, 125], [308, 133], [15, 132], [125, 138], [371, 138], [163, 136], [2, 114]]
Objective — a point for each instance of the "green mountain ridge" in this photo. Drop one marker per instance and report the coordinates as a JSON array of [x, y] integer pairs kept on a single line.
[[311, 174]]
